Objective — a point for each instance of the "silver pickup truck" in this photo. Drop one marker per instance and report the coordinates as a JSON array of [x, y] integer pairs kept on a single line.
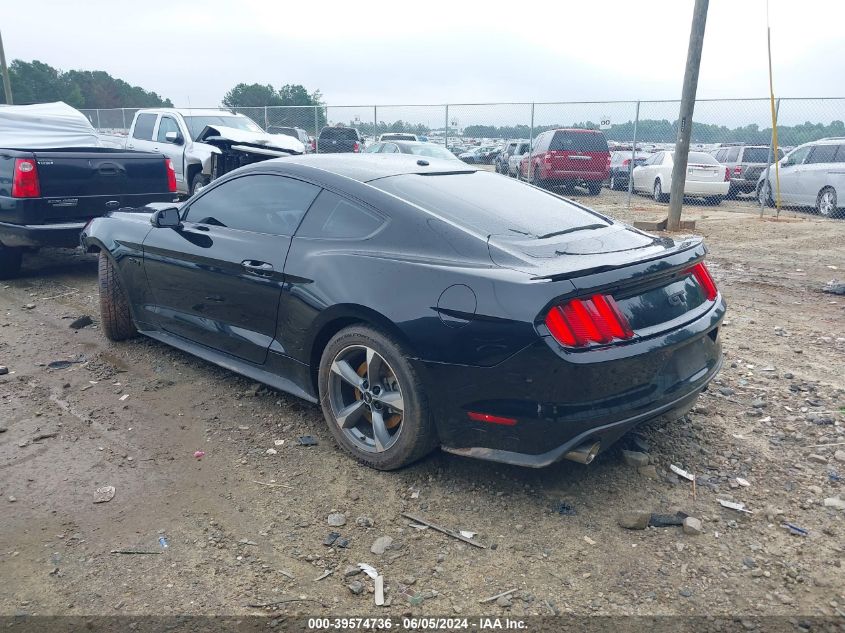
[[205, 144]]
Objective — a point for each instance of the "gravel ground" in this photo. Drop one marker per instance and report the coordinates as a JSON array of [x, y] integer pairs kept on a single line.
[[245, 524]]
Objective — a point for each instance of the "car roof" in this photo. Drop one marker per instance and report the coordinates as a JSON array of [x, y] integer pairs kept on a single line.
[[365, 167], [193, 111]]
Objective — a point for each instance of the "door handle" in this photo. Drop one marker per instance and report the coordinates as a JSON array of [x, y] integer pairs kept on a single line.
[[257, 268]]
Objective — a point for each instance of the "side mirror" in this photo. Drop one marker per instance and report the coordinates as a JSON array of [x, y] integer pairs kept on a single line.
[[167, 218], [174, 137]]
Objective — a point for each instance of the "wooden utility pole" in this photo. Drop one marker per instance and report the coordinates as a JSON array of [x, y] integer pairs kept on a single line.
[[7, 85], [679, 170]]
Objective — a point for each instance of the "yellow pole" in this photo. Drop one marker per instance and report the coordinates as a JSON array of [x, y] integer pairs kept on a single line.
[[774, 124]]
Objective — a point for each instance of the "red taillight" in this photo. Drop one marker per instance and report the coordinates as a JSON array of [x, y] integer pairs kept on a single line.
[[581, 322], [355, 146], [171, 175], [727, 174], [314, 145], [492, 419], [607, 162], [25, 179], [627, 161], [738, 170], [702, 276]]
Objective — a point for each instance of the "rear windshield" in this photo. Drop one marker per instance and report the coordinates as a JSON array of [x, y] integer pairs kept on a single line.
[[758, 155], [398, 137], [339, 134], [698, 158], [490, 204], [578, 141]]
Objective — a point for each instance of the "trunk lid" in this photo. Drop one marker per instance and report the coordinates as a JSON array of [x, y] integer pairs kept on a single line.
[[700, 172]]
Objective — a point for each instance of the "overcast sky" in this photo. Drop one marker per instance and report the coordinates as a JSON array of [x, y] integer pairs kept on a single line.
[[435, 52]]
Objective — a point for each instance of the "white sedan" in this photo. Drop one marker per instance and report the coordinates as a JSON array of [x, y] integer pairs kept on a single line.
[[706, 178]]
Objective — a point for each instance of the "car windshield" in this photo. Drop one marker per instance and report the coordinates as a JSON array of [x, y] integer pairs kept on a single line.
[[490, 204], [339, 134], [758, 155], [697, 158], [434, 151], [196, 124]]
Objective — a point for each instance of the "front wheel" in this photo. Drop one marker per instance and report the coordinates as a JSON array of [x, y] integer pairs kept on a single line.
[[373, 401], [594, 188], [764, 195], [10, 261], [199, 181], [826, 203], [115, 317]]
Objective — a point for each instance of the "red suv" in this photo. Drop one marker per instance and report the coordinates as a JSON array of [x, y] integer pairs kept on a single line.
[[569, 157]]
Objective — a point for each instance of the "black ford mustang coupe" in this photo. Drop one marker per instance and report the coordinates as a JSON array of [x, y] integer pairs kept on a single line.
[[421, 303]]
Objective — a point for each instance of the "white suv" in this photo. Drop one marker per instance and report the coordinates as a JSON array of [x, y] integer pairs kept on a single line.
[[811, 175]]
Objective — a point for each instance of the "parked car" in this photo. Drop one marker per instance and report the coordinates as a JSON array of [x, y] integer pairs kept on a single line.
[[745, 163], [569, 157], [489, 153], [706, 178], [411, 147], [205, 144], [296, 273], [471, 156], [398, 136], [521, 152], [811, 175], [295, 132], [620, 167], [337, 139], [55, 176]]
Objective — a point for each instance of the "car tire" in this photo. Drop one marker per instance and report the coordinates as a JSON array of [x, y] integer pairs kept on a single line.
[[200, 180], [826, 203], [614, 184], [115, 317], [594, 189], [415, 435], [733, 192], [535, 178], [657, 191], [713, 200], [10, 262], [765, 191]]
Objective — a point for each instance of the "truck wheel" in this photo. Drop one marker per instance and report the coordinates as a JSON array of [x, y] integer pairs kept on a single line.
[[114, 305], [594, 188], [10, 262], [199, 181]]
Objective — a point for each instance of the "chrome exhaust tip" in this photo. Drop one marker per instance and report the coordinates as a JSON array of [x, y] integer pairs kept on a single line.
[[585, 453]]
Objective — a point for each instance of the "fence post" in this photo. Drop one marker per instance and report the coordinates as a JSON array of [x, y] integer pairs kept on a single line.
[[633, 156], [98, 119], [266, 120], [123, 116], [530, 144], [316, 131], [375, 123], [446, 129], [766, 187]]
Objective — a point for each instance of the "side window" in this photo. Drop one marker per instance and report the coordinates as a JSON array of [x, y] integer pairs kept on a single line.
[[797, 157], [144, 127], [261, 203], [822, 154], [720, 156], [840, 155], [334, 217], [732, 155], [165, 125]]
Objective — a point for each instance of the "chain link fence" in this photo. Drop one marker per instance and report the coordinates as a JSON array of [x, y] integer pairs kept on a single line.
[[717, 121]]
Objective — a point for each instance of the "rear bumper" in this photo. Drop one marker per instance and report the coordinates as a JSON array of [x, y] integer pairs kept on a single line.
[[741, 184], [696, 188], [561, 176], [60, 235], [560, 400]]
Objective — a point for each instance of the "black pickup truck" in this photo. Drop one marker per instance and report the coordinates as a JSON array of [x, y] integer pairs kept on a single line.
[[48, 195]]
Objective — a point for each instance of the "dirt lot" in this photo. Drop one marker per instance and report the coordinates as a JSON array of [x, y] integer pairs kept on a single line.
[[132, 415]]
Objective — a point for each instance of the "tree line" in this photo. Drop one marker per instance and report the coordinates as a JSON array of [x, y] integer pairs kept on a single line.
[[664, 131], [37, 82]]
